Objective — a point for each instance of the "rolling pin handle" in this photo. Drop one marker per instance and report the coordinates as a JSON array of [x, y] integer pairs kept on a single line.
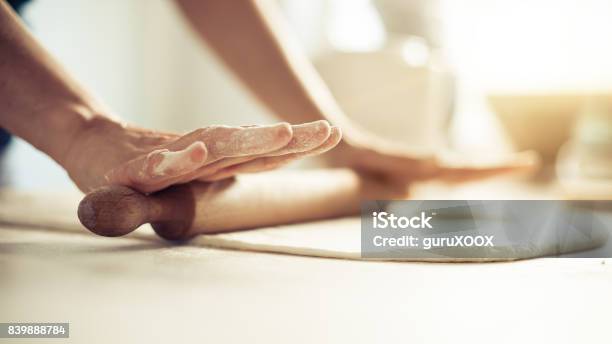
[[114, 211]]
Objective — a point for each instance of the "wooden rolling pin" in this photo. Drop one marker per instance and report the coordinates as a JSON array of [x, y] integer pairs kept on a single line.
[[249, 201]]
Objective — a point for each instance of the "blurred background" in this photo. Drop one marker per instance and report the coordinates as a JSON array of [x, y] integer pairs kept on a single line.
[[481, 76]]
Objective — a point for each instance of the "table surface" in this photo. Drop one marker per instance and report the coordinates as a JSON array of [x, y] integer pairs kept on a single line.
[[127, 290]]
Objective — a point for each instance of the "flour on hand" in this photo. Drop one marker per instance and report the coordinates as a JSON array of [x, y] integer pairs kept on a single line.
[[173, 162]]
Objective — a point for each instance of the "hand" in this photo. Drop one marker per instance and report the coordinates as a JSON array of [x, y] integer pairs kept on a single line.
[[392, 165], [109, 153]]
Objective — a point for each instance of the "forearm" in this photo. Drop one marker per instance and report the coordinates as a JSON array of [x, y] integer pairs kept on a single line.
[[250, 39], [39, 101]]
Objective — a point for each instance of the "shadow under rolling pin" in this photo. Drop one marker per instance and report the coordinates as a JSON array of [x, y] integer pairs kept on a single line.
[[250, 201]]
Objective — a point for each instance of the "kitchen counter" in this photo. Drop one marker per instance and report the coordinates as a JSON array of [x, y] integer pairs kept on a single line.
[[140, 289]]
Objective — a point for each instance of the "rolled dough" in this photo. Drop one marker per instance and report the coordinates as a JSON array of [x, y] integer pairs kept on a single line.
[[341, 238], [335, 238]]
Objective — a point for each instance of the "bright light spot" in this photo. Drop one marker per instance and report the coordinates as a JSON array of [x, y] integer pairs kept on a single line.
[[415, 51], [506, 45], [354, 25]]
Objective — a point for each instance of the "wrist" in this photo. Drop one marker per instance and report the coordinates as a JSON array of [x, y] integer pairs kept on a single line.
[[87, 126]]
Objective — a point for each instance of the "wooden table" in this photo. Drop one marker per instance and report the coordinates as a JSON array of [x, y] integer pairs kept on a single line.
[[131, 289]]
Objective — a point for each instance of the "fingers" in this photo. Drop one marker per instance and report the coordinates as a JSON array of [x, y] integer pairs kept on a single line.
[[461, 172], [159, 168], [396, 169], [273, 162], [209, 150], [522, 162], [306, 137], [398, 166], [454, 174], [224, 141]]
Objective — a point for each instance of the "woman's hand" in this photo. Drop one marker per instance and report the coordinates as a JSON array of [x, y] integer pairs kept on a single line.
[[107, 152], [391, 164]]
